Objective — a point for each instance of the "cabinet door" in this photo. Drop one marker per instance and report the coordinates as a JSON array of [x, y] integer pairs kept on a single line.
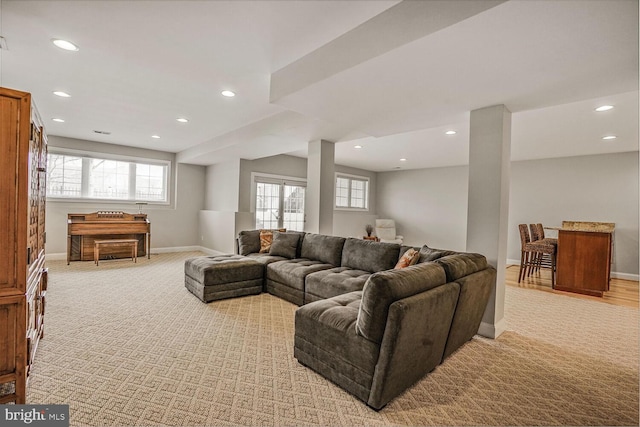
[[14, 133], [33, 247], [13, 345]]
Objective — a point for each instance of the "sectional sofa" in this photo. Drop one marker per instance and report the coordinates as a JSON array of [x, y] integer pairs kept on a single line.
[[371, 328]]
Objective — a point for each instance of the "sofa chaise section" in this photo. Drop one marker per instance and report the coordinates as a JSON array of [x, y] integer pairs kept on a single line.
[[212, 278]]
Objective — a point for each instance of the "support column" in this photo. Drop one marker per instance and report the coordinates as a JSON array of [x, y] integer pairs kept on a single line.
[[319, 198], [488, 206]]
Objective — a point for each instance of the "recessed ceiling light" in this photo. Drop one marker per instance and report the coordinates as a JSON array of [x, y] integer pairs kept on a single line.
[[155, 136], [403, 160], [182, 120], [228, 93], [62, 94], [609, 137], [66, 45], [604, 108], [357, 146], [58, 120], [450, 132]]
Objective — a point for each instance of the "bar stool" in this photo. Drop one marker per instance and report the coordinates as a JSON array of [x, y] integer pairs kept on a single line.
[[531, 255]]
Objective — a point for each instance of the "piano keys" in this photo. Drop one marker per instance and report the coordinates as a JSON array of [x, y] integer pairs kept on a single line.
[[84, 229]]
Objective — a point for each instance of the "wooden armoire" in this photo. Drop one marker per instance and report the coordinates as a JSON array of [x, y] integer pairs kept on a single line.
[[23, 276]]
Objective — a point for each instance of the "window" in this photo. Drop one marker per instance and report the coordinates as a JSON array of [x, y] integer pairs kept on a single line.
[[352, 192], [103, 177], [279, 202]]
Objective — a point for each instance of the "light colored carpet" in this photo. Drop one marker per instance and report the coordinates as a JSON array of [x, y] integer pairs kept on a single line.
[[126, 344]]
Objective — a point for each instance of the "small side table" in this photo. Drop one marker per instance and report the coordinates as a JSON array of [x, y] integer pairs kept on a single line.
[[372, 238]]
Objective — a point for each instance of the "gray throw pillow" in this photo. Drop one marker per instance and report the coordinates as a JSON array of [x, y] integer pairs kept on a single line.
[[249, 242], [429, 254], [284, 244]]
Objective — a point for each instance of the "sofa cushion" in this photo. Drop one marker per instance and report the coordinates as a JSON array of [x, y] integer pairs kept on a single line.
[[333, 282], [265, 258], [429, 254], [462, 264], [300, 235], [368, 255], [293, 272], [284, 244], [327, 249], [249, 242], [326, 340], [409, 258], [222, 269], [384, 288]]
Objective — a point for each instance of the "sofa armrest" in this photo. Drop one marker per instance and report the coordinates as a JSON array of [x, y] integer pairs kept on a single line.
[[414, 341]]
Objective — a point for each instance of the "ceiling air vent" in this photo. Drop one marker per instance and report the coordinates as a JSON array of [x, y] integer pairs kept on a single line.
[[3, 43], [102, 132]]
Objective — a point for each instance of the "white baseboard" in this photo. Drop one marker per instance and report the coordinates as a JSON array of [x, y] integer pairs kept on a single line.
[[55, 257], [614, 274], [492, 331], [63, 256], [625, 276]]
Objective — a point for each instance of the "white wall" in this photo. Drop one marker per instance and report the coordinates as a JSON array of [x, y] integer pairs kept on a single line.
[[585, 188], [275, 165], [430, 205], [352, 223], [175, 225], [222, 189]]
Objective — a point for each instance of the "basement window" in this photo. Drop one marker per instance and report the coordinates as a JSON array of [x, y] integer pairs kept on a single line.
[[352, 192], [82, 176]]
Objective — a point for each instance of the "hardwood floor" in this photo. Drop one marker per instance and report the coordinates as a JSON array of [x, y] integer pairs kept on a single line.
[[622, 292]]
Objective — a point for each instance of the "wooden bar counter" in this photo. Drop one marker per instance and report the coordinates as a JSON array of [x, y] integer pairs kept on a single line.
[[584, 257]]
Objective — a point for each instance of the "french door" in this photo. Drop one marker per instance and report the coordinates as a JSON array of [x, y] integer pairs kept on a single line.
[[279, 203]]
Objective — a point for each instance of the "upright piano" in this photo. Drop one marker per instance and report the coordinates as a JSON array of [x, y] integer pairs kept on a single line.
[[84, 229]]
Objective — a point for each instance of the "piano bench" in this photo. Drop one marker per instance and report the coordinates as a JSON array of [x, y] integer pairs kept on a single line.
[[218, 277], [115, 243]]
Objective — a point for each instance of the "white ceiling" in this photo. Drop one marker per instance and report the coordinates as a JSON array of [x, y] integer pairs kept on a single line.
[[389, 76]]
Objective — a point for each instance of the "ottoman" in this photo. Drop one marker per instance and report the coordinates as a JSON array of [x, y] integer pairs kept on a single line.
[[212, 278]]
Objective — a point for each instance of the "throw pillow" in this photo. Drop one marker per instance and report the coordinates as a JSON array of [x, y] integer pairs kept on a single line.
[[266, 237], [249, 242], [284, 244], [429, 254], [410, 257]]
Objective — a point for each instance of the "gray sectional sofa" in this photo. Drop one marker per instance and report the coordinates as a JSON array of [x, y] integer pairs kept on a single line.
[[370, 328]]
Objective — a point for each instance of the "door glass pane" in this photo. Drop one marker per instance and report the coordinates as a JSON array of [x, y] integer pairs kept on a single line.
[[294, 207], [267, 205]]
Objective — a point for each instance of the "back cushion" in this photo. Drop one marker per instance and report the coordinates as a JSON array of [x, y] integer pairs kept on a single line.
[[429, 254], [368, 255], [460, 265], [319, 247], [299, 247], [284, 244], [249, 242], [384, 288]]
